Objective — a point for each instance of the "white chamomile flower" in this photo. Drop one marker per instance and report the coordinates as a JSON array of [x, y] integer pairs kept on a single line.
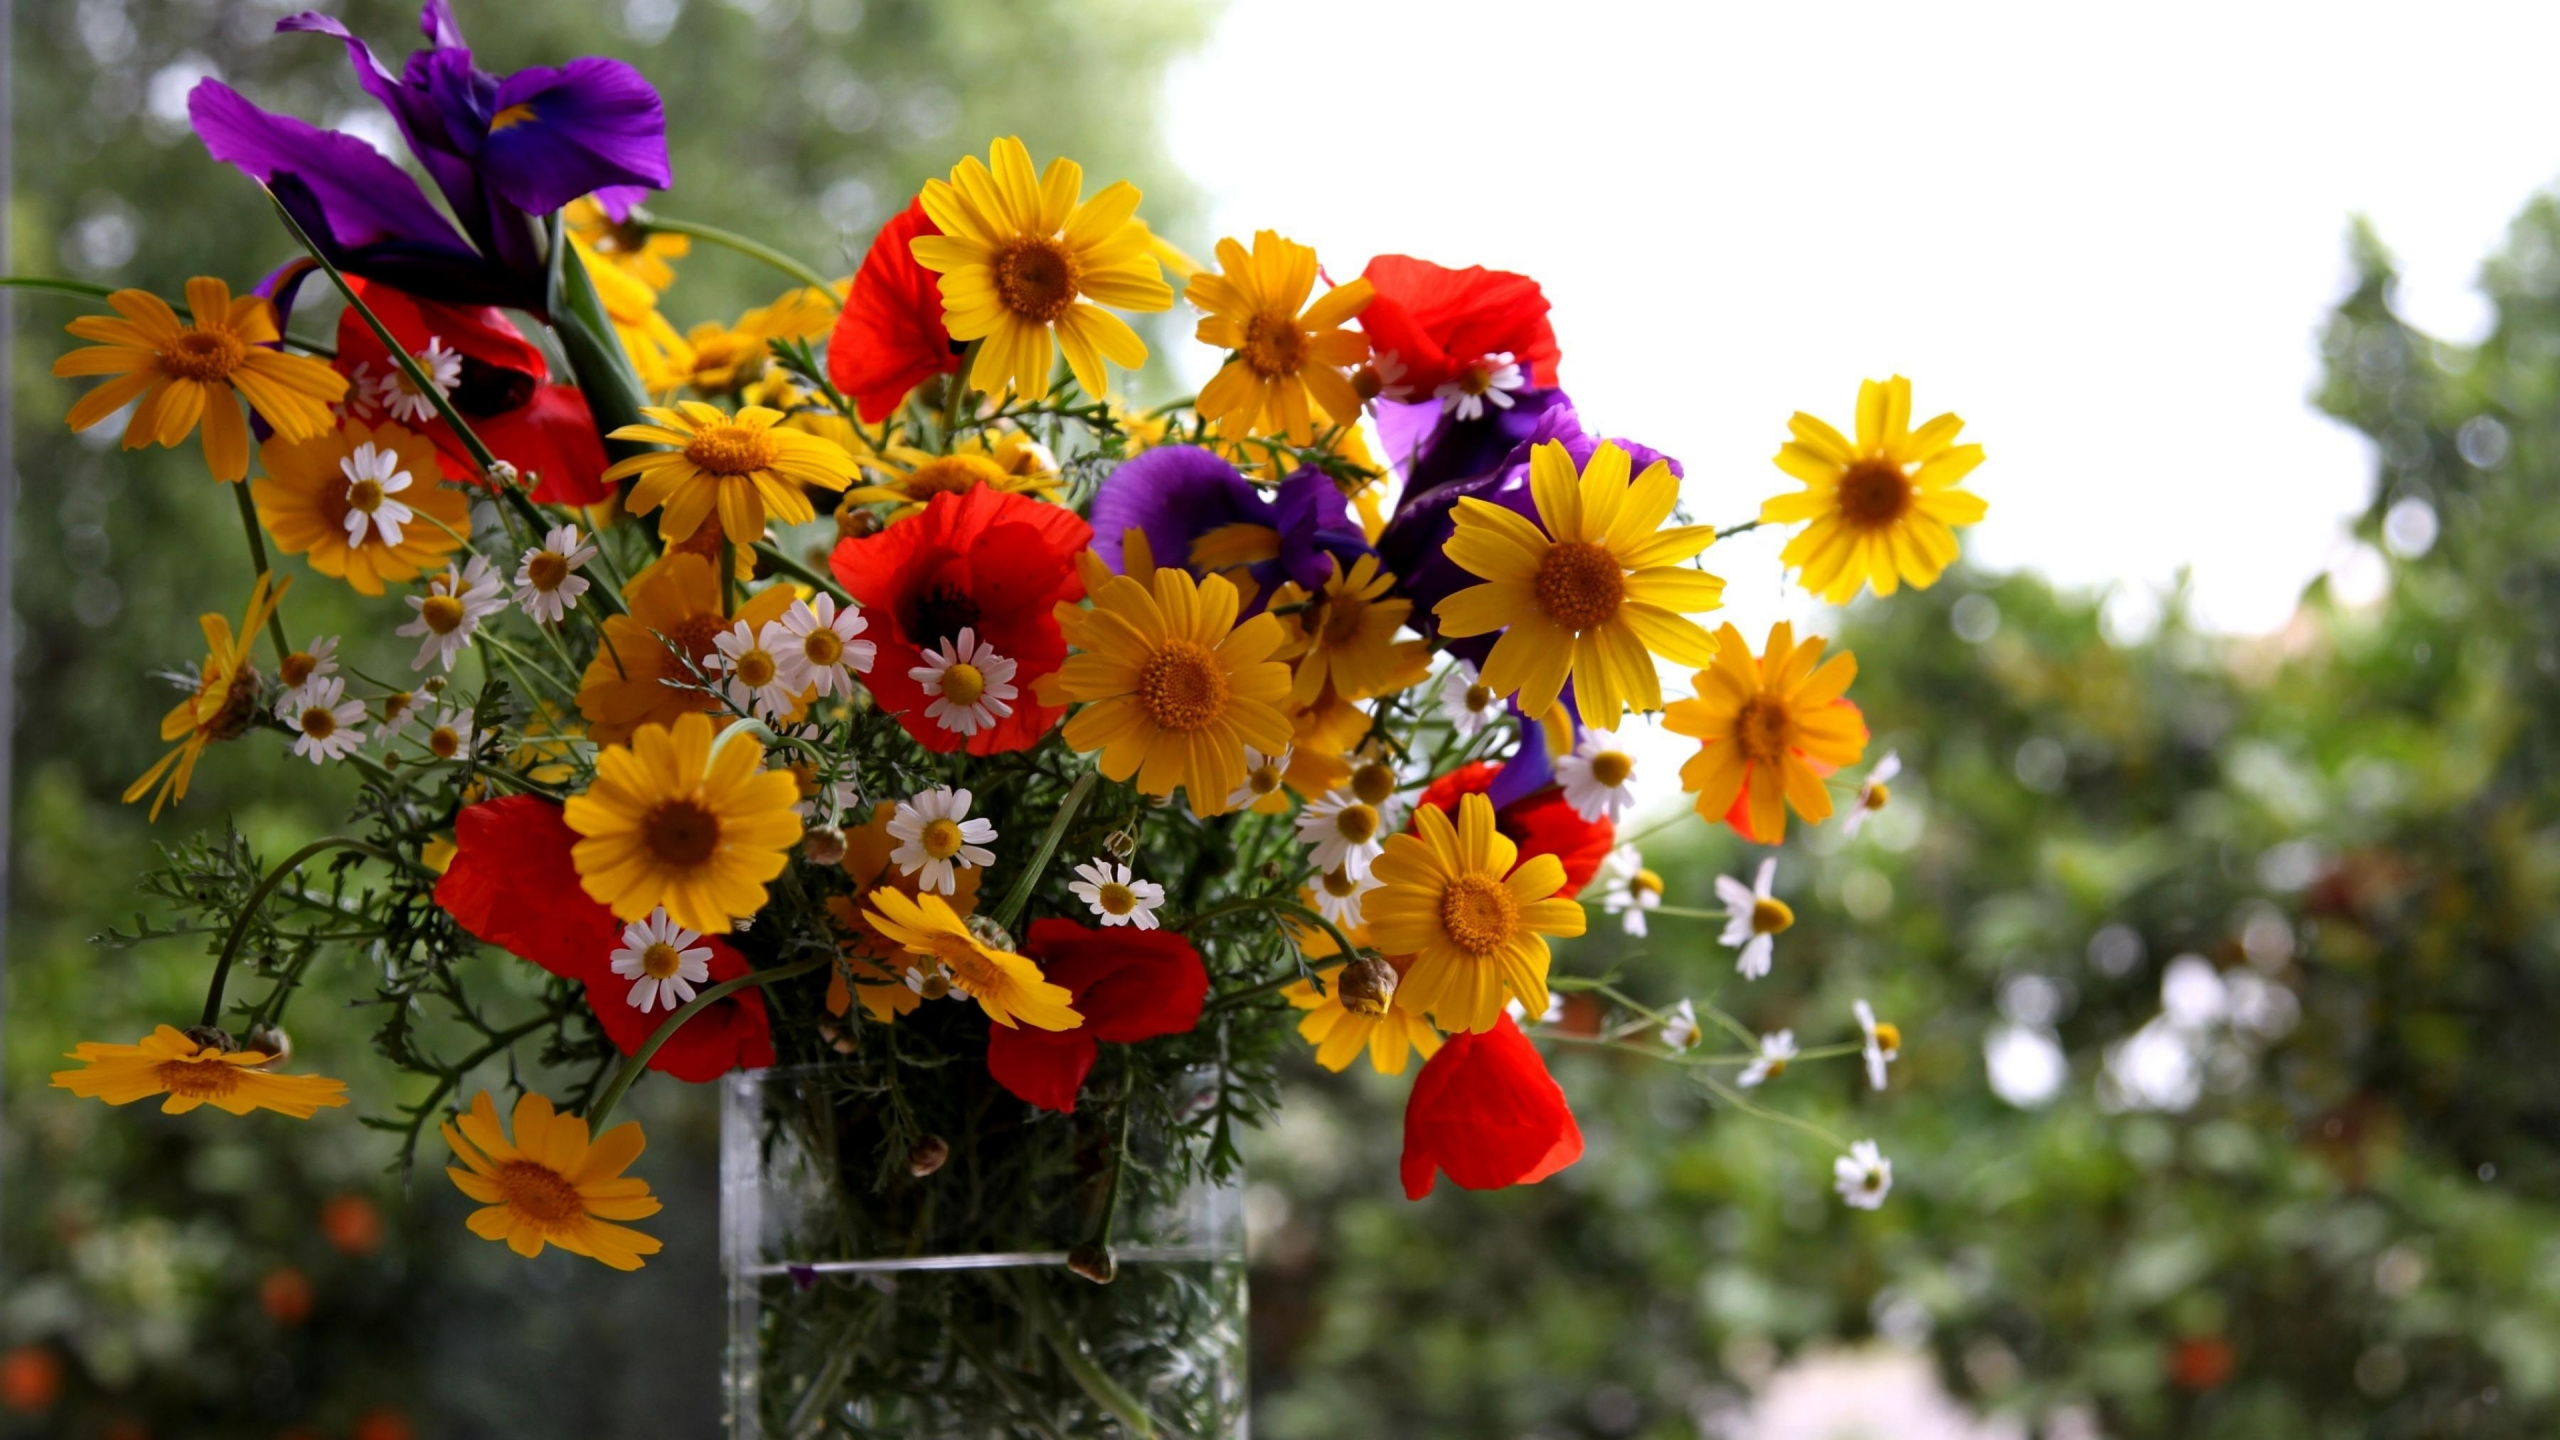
[[1595, 777], [1628, 889], [1115, 897], [324, 726], [1775, 1051], [1488, 380], [449, 737], [1339, 896], [1681, 1030], [1347, 832], [316, 662], [373, 476], [1753, 919], [661, 961], [934, 834], [358, 404], [818, 645], [547, 580], [970, 684], [1390, 370], [1883, 1045], [1873, 792], [1863, 1176], [393, 392], [1466, 700], [451, 611], [1263, 777], [755, 677], [399, 709], [1519, 1013]]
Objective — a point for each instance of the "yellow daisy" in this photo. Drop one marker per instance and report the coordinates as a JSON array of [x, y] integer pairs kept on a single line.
[[183, 373], [1769, 730], [387, 474], [742, 465], [659, 356], [726, 358], [552, 1186], [1591, 592], [1340, 1033], [1021, 260], [1285, 370], [674, 820], [633, 679], [628, 247], [1883, 509], [1015, 463], [1475, 926], [1007, 986], [1174, 689], [225, 699], [168, 1063], [874, 967], [1346, 635]]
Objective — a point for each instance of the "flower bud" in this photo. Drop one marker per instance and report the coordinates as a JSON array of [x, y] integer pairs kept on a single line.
[[1095, 1263], [1120, 844], [434, 685], [838, 1039], [854, 522], [212, 1037], [823, 846], [928, 1155], [989, 933], [270, 1041], [1366, 986]]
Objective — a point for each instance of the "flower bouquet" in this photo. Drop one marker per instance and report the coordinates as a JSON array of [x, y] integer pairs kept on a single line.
[[866, 689]]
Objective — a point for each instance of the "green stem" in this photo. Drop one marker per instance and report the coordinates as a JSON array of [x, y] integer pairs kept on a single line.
[[783, 564], [958, 389], [85, 289], [1277, 906], [1095, 1381], [1019, 896], [258, 557], [640, 1058], [1735, 1098], [730, 239], [258, 899], [1731, 531]]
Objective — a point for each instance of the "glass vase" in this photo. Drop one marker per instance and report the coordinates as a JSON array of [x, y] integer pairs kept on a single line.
[[867, 1299]]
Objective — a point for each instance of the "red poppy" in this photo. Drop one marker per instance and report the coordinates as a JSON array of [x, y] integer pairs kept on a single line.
[[1541, 823], [984, 559], [513, 885], [1130, 985], [1437, 321], [890, 338], [501, 390], [1487, 1114]]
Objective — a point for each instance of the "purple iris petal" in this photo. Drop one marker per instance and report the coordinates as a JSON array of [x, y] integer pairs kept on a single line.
[[589, 125], [1429, 449], [1178, 493], [1529, 770]]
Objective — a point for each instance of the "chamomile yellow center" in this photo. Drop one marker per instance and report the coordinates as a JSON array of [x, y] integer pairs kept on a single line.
[[755, 669], [1645, 882], [204, 355], [1579, 585], [1610, 769], [539, 1193], [941, 838], [1373, 782], [318, 723], [198, 1079], [731, 450], [1877, 796], [442, 613], [1264, 778], [1770, 916], [297, 667], [1888, 1035], [546, 570], [1274, 345], [1036, 278], [680, 833], [1115, 898], [1874, 493], [1339, 884], [364, 495], [1479, 914], [1356, 823], [661, 961], [1182, 686], [444, 742], [1476, 379], [963, 683], [822, 647], [1479, 697]]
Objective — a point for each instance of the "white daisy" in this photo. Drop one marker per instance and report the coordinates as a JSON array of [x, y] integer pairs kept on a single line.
[[1628, 889], [316, 662], [1390, 370], [1491, 378], [1263, 777], [547, 580], [1863, 1176], [450, 736], [1873, 792], [1596, 777], [451, 611], [1466, 700], [324, 727], [1348, 832], [373, 476], [934, 834], [1681, 1030], [1339, 896], [1115, 897], [358, 404], [398, 709], [393, 392], [755, 676], [817, 645], [1884, 1042], [1775, 1051], [661, 961], [971, 685], [1519, 1013], [1753, 918]]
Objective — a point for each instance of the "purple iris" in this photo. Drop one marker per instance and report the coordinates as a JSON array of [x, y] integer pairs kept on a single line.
[[502, 151], [1180, 495]]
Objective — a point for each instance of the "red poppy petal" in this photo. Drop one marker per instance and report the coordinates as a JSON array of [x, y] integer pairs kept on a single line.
[[1486, 1113], [1040, 1066], [1451, 317], [1129, 984], [890, 337]]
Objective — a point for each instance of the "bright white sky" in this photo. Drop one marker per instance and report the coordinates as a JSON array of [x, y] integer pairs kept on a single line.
[[2106, 236]]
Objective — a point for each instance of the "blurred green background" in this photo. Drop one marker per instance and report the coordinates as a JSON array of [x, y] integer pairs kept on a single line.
[[2228, 968]]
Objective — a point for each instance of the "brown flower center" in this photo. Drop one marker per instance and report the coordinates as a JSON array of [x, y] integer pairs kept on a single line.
[[1479, 696], [822, 646], [364, 495], [731, 450], [1274, 346], [297, 667], [1761, 728], [1610, 769], [1367, 383], [1339, 884], [546, 570], [660, 961], [442, 613], [1036, 278], [680, 833], [1183, 687], [1356, 823], [206, 355], [963, 683], [698, 636], [952, 475], [318, 723], [1771, 917], [539, 1193], [1374, 782], [1479, 914], [1580, 585], [1340, 623], [198, 1079], [444, 742], [1874, 493]]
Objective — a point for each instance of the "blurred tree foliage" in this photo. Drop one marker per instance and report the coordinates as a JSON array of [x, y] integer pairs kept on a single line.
[[137, 1248], [2288, 908]]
